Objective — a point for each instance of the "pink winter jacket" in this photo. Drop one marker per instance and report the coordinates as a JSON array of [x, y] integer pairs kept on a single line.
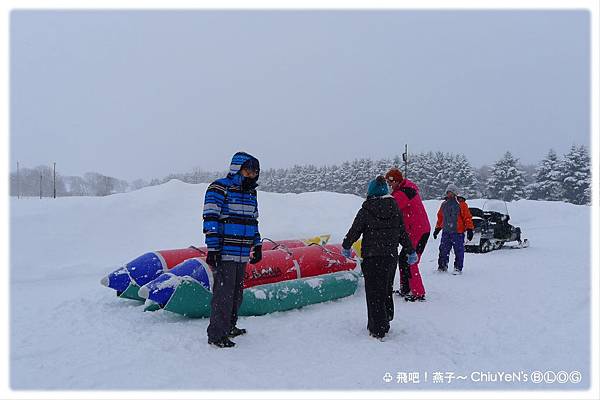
[[413, 212]]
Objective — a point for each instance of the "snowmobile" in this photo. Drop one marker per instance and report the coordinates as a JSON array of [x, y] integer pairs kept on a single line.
[[492, 229]]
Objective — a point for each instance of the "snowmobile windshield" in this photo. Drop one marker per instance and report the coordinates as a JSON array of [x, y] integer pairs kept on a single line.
[[498, 206]]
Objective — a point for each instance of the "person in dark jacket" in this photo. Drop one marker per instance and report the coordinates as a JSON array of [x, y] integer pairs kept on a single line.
[[453, 219], [231, 229], [380, 223]]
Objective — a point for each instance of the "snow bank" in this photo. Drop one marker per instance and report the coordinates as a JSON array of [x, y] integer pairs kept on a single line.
[[511, 311]]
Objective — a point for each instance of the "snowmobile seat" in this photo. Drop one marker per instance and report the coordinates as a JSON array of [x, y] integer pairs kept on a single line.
[[476, 212]]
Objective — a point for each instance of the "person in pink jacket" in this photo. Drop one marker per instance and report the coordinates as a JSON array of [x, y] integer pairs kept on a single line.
[[417, 226]]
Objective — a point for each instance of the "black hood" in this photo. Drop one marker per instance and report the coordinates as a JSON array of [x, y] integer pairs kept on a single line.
[[384, 207]]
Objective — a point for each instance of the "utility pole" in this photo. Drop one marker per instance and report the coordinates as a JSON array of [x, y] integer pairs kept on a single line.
[[54, 180], [40, 186], [18, 182], [405, 159]]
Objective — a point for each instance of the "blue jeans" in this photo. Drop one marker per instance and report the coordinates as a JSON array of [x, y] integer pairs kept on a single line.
[[457, 242]]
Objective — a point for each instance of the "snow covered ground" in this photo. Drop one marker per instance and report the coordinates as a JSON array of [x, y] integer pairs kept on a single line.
[[512, 310]]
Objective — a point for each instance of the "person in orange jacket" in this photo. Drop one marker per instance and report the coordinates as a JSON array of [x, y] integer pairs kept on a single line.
[[453, 219]]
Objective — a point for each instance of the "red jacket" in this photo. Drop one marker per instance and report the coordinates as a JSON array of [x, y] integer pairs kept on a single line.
[[413, 212], [464, 220]]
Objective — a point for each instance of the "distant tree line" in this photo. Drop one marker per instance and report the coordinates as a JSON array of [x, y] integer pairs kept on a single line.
[[30, 182], [40, 181], [554, 178], [567, 179]]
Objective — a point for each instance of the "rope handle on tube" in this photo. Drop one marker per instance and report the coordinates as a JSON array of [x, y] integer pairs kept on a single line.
[[278, 245], [200, 251], [326, 250]]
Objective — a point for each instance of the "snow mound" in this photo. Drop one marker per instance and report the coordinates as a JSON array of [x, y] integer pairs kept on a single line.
[[511, 310]]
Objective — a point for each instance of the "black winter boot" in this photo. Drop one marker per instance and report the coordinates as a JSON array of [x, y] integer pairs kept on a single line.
[[235, 331], [378, 336], [413, 298], [224, 342]]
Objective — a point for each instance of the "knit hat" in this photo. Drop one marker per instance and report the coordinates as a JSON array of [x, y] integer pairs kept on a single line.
[[452, 188], [377, 187], [394, 175]]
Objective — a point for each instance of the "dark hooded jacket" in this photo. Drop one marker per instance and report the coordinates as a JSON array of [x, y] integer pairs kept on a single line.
[[380, 223]]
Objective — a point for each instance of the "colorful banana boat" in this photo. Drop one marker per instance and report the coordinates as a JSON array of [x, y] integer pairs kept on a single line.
[[127, 280], [285, 279], [283, 264]]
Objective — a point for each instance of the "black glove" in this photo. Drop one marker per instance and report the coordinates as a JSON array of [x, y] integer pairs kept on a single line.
[[213, 258], [256, 254], [436, 232], [469, 234]]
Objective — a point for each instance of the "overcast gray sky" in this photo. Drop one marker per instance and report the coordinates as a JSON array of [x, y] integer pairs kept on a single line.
[[141, 94]]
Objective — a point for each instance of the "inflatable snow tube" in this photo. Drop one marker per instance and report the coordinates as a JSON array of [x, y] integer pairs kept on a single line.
[[182, 282], [276, 266], [269, 244], [288, 295], [186, 290], [127, 280], [283, 264]]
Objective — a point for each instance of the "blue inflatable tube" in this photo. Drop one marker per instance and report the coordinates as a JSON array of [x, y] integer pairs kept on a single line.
[[128, 279], [160, 290]]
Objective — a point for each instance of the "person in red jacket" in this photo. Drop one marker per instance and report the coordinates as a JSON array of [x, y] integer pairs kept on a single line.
[[406, 194], [453, 219]]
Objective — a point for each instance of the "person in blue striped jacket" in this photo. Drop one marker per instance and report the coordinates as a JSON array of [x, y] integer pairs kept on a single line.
[[231, 229]]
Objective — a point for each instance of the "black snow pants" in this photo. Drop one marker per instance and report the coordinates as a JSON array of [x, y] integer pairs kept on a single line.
[[380, 302], [227, 297]]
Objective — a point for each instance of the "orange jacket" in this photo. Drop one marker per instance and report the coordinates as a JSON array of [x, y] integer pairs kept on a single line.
[[464, 221]]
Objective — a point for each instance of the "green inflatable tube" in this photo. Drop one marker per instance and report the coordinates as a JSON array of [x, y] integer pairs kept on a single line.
[[131, 292], [193, 300]]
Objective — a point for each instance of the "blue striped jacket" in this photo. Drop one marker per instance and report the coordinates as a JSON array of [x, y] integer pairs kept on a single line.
[[230, 214]]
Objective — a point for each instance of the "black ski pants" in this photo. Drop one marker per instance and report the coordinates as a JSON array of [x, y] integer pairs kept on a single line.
[[380, 303], [228, 287]]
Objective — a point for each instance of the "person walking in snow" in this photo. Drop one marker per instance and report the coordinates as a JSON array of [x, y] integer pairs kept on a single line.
[[231, 229], [453, 219], [380, 223], [416, 223]]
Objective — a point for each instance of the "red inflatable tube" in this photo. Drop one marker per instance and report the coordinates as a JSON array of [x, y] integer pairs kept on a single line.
[[171, 258], [282, 260], [293, 263], [290, 244]]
